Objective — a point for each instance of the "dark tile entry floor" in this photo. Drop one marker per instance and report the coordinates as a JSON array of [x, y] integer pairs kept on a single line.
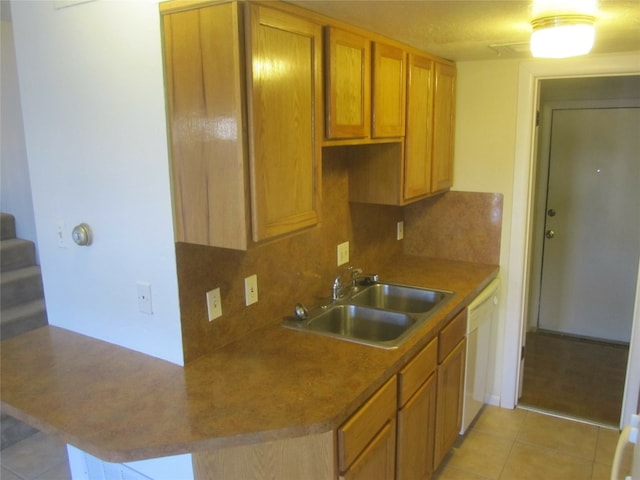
[[575, 377]]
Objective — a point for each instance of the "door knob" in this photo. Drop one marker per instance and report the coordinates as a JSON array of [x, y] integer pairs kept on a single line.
[[550, 234]]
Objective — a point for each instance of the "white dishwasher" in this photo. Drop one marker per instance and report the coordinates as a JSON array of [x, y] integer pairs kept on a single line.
[[482, 321]]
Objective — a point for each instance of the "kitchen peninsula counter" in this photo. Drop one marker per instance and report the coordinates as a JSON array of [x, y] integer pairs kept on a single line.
[[275, 383]]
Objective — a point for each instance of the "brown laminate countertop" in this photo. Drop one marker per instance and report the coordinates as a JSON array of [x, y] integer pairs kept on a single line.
[[121, 405]]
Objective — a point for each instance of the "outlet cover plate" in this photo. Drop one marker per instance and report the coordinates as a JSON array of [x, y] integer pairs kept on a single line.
[[343, 253], [250, 290], [214, 304]]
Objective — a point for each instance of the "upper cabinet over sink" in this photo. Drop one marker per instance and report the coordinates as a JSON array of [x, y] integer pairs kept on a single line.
[[255, 90], [244, 108], [364, 88]]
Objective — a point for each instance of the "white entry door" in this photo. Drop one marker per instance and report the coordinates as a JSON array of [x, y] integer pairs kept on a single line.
[[592, 228]]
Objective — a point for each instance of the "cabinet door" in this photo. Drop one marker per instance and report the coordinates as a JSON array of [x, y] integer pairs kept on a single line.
[[205, 103], [378, 460], [285, 92], [388, 91], [347, 84], [444, 123], [449, 401], [419, 128], [416, 434]]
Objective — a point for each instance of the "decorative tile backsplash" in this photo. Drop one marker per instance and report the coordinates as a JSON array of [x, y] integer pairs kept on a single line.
[[463, 226], [301, 268]]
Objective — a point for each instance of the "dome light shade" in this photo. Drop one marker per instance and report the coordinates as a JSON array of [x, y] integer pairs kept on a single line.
[[562, 36]]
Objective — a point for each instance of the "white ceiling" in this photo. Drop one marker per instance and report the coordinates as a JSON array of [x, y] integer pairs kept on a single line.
[[463, 30]]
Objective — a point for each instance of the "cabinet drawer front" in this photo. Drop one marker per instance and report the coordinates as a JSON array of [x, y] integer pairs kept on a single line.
[[451, 335], [356, 433], [416, 372]]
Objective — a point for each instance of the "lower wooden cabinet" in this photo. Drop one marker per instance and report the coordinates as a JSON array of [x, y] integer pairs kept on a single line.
[[416, 415], [450, 396], [378, 460], [367, 441]]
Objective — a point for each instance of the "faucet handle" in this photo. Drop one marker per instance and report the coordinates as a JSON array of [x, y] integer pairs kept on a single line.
[[365, 279]]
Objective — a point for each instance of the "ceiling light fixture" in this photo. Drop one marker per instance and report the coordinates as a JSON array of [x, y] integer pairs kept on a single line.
[[561, 36]]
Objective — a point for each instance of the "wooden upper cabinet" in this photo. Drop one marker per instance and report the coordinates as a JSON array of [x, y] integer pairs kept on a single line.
[[419, 127], [388, 91], [203, 72], [347, 84], [244, 105], [285, 92], [444, 125]]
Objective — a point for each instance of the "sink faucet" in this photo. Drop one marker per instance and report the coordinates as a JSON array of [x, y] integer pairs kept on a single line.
[[339, 288]]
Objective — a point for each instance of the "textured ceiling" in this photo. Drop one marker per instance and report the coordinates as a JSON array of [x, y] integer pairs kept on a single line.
[[464, 29]]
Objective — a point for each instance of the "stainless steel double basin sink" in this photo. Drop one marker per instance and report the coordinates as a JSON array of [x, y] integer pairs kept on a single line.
[[382, 314]]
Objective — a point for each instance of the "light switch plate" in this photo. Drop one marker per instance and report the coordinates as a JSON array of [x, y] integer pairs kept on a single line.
[[400, 230], [250, 290], [144, 298], [343, 253]]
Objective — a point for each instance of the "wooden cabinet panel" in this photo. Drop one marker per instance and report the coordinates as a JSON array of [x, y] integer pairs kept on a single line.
[[449, 401], [416, 372], [310, 457], [347, 84], [444, 125], [419, 129], [285, 106], [377, 461], [357, 432], [451, 334], [203, 71], [416, 433], [214, 75], [388, 91]]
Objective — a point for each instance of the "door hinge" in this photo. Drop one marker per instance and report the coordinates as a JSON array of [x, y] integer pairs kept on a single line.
[[537, 118], [522, 353]]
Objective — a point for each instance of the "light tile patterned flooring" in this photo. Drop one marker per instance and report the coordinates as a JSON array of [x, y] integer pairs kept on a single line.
[[501, 445], [526, 445]]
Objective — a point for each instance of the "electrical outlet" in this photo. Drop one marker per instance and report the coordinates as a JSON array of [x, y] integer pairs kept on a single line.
[[144, 298], [251, 290], [343, 253], [400, 230], [214, 304]]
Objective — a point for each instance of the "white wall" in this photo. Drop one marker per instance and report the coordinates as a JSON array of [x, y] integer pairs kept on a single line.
[[484, 145], [15, 189], [494, 141], [92, 93]]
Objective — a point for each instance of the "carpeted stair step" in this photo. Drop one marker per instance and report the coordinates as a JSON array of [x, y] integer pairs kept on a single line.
[[16, 253], [20, 286], [7, 226], [22, 318]]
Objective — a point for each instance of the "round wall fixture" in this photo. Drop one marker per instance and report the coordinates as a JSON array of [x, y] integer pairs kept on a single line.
[[81, 234]]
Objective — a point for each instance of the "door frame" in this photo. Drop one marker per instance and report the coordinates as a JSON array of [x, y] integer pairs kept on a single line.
[[517, 274]]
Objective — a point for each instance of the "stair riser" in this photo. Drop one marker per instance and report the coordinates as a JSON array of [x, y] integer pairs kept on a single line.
[[7, 226], [23, 325], [17, 255], [21, 291]]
